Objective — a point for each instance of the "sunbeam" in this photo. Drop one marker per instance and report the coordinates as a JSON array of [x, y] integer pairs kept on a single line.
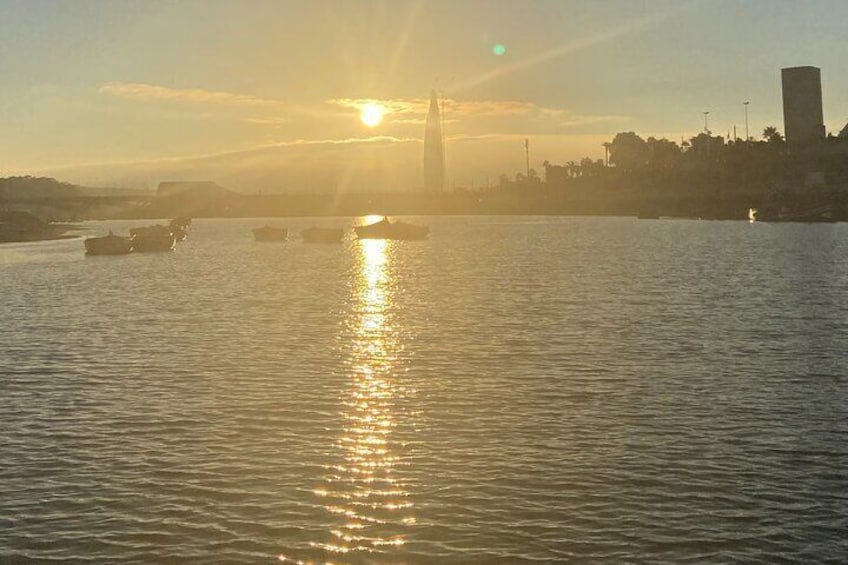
[[570, 47]]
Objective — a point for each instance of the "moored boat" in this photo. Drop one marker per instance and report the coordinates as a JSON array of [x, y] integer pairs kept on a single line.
[[384, 229], [268, 233], [152, 239], [182, 222], [179, 227], [108, 245], [322, 235]]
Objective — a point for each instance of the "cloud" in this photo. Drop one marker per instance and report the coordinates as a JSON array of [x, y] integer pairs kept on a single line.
[[410, 121], [262, 111], [399, 111], [316, 143], [414, 111], [573, 121], [394, 107], [301, 165], [348, 141], [268, 121], [150, 92]]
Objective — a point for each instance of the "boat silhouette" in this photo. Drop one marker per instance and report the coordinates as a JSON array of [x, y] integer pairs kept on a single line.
[[384, 229]]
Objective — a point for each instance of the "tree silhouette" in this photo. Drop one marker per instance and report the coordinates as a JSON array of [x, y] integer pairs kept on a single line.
[[772, 136], [662, 154], [628, 151]]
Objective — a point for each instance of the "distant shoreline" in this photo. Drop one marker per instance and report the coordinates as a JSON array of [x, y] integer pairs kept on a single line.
[[541, 201]]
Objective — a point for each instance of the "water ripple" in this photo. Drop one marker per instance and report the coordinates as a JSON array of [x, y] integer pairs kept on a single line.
[[513, 390]]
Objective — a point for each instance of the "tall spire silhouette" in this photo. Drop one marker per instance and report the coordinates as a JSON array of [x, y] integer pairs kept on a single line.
[[434, 152]]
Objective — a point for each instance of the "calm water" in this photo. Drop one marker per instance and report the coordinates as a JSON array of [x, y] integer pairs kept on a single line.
[[512, 390]]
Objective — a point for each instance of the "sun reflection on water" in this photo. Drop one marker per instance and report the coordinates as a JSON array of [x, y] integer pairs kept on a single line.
[[364, 493]]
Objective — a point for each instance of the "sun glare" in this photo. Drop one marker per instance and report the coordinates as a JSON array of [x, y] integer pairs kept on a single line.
[[371, 114]]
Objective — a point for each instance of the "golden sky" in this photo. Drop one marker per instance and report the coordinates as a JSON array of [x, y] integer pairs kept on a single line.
[[267, 95]]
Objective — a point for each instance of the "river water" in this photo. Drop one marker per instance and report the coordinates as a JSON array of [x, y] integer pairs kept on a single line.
[[511, 390]]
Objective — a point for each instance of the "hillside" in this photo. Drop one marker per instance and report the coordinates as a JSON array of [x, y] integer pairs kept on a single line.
[[37, 188]]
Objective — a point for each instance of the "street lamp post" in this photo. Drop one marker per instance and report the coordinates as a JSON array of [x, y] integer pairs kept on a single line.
[[706, 124], [745, 103]]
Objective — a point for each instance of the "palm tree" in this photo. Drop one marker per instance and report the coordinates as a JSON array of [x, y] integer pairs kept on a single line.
[[771, 135]]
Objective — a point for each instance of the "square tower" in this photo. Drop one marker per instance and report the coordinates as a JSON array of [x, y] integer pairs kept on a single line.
[[803, 120]]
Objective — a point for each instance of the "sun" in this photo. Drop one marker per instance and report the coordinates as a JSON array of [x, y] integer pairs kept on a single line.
[[371, 114]]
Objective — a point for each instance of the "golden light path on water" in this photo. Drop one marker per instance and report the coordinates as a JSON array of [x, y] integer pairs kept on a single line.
[[368, 503]]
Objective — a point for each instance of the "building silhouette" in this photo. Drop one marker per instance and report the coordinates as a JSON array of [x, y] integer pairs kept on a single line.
[[803, 120], [434, 152]]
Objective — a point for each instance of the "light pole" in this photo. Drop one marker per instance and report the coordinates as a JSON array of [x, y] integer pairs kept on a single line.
[[706, 124], [745, 103]]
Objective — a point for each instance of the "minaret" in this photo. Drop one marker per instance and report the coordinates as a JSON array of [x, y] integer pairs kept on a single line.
[[434, 154]]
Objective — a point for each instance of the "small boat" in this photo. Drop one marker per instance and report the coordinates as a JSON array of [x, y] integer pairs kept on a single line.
[[179, 233], [108, 245], [152, 239], [182, 221], [268, 233], [179, 227], [322, 235], [384, 229]]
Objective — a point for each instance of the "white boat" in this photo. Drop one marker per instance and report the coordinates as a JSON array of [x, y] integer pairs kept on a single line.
[[384, 229]]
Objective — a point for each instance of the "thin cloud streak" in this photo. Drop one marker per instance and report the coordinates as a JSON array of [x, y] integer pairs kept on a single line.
[[151, 92], [372, 139], [387, 139], [397, 107], [400, 111], [154, 93], [588, 120], [268, 121], [415, 110]]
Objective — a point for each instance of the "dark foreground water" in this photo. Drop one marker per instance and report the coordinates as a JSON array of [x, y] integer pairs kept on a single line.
[[512, 390]]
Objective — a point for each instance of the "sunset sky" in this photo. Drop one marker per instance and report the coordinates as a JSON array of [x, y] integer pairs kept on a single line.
[[266, 95]]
